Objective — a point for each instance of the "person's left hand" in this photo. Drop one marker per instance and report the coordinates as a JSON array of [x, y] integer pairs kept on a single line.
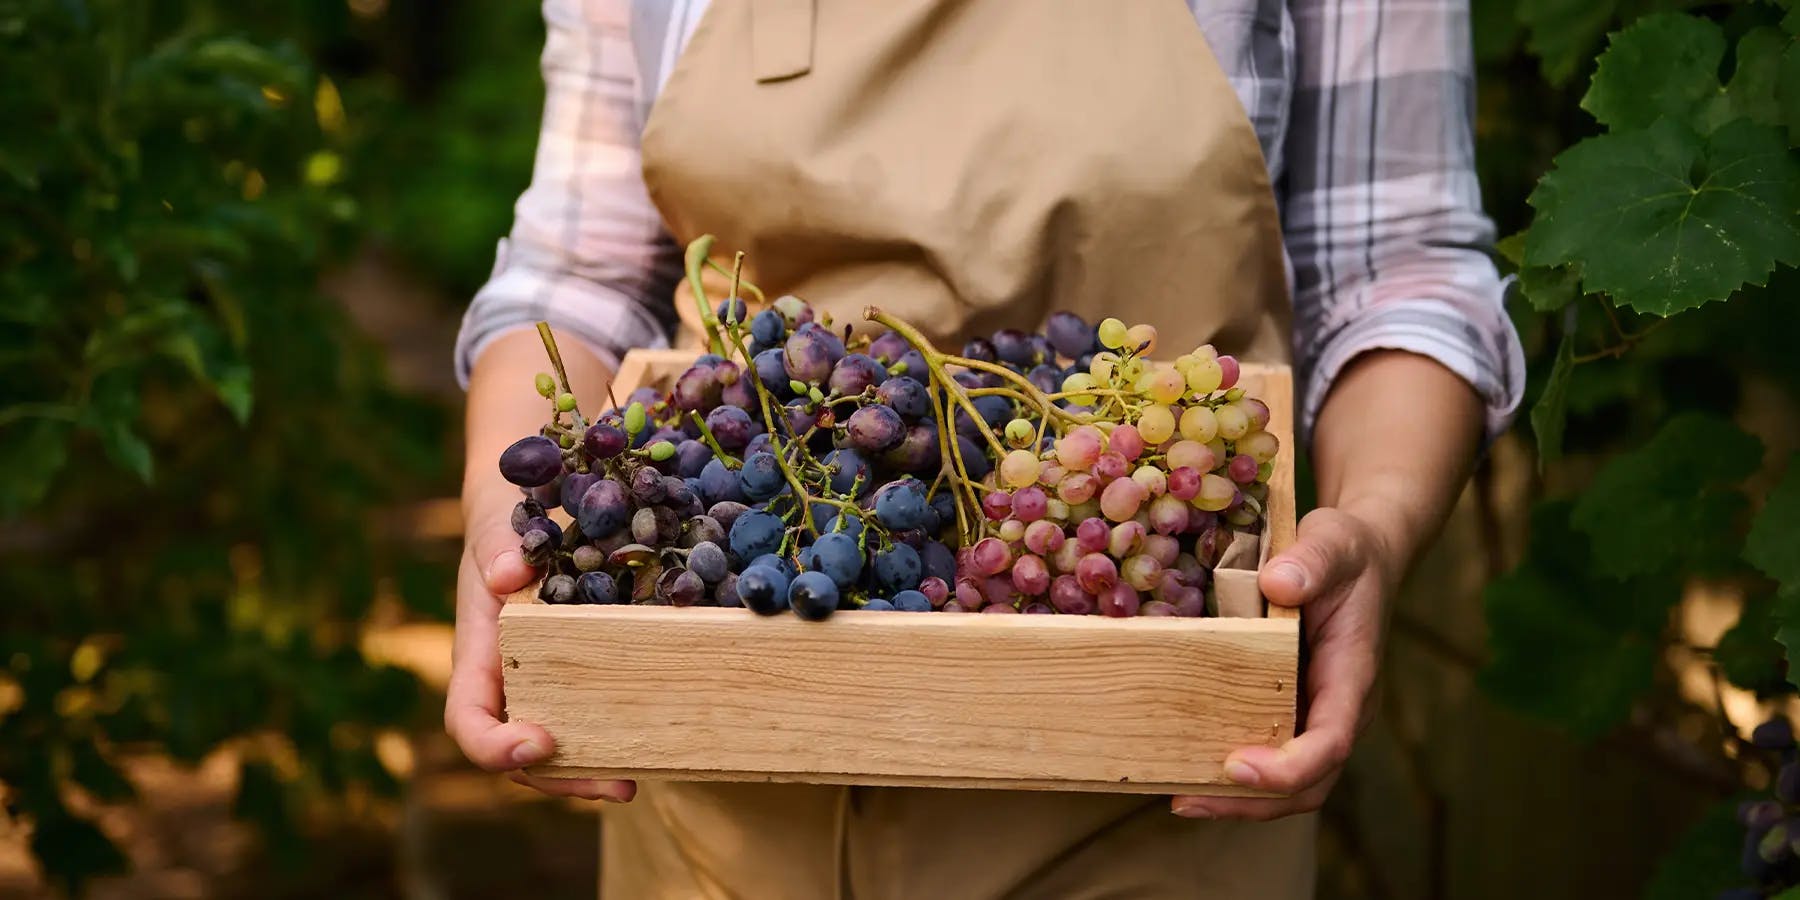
[[1342, 572]]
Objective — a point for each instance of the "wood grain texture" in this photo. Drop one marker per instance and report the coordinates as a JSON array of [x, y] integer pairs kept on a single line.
[[1150, 705], [1274, 385]]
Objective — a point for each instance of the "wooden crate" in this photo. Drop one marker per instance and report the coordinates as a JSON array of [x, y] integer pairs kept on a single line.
[[1076, 703]]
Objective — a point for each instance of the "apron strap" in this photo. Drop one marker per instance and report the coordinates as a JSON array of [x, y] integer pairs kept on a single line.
[[781, 38]]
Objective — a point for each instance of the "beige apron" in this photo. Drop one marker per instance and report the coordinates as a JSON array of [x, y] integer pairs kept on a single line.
[[969, 165]]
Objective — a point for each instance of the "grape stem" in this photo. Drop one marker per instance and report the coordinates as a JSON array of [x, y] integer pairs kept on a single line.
[[706, 436], [556, 362]]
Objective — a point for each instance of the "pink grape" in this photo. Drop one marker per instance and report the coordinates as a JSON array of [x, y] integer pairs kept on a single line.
[[997, 505], [989, 556], [1141, 572], [1152, 479], [954, 606], [1078, 449], [1162, 548], [1044, 538], [934, 590], [1121, 499], [1184, 483], [1068, 597], [1038, 608], [1111, 465], [1119, 601], [997, 589], [1029, 504], [1019, 468], [968, 594], [1030, 576], [1126, 441], [1091, 535], [1190, 569], [1191, 455], [1211, 545], [1255, 410], [1000, 608], [1168, 585], [1050, 474], [1125, 539], [1168, 515], [1242, 469], [1067, 556], [1191, 604], [1096, 572], [1077, 487], [1229, 371], [1012, 531], [1157, 608]]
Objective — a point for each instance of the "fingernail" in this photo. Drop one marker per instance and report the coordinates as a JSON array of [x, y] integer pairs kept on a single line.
[[1241, 773], [495, 563], [1193, 811], [1290, 572], [526, 752]]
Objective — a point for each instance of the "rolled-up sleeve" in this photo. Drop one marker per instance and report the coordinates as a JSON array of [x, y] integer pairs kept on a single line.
[[587, 251], [1381, 207]]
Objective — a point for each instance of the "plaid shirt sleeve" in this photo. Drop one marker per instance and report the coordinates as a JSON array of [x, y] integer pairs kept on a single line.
[[1381, 207], [587, 252]]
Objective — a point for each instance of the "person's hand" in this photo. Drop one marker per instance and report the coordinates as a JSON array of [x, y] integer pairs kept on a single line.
[[492, 568], [1342, 571]]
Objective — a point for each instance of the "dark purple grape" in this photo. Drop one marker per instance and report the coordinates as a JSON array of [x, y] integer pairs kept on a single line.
[[917, 452], [732, 311], [848, 467], [889, 347], [697, 390], [691, 457], [531, 462], [545, 525], [524, 511], [740, 394], [838, 556], [725, 592], [854, 373], [730, 426], [913, 366], [980, 349], [603, 440], [763, 589], [1041, 351], [725, 512], [798, 418], [974, 458], [701, 529], [1775, 734], [761, 477], [679, 587], [911, 601], [1013, 346], [771, 370], [558, 589], [901, 504], [647, 485], [897, 568], [808, 355], [754, 533], [1069, 335], [643, 525], [939, 561], [536, 547], [768, 328], [596, 587], [873, 429], [678, 496], [878, 604], [906, 397], [813, 596], [707, 561], [718, 483], [1045, 378], [759, 444], [604, 509]]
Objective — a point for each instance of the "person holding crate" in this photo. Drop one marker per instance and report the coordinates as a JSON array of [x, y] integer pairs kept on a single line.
[[1274, 177]]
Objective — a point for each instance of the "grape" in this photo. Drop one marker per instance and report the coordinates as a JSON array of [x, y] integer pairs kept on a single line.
[[1111, 333], [877, 604], [1013, 346], [1165, 385], [1030, 504], [761, 477], [1045, 378], [1141, 572], [889, 347], [603, 440], [898, 568], [854, 373], [980, 349], [1019, 433], [1000, 608], [697, 390], [1078, 386], [1184, 483], [679, 587], [1051, 474], [1124, 539], [813, 596], [874, 429], [719, 484], [1191, 455], [917, 451], [1259, 445], [1141, 339], [536, 548], [838, 556], [767, 327], [905, 396], [1068, 597], [997, 505], [691, 457], [531, 461], [647, 486], [1241, 468], [1096, 572], [1119, 601], [1126, 441], [1092, 535], [558, 589], [912, 365], [793, 309], [1030, 576], [1775, 734], [1109, 466], [1019, 468], [771, 370], [1229, 371], [1151, 479], [913, 601], [701, 528], [524, 511], [586, 558], [643, 525], [1121, 499], [989, 556], [603, 509], [1078, 450], [1077, 488], [1216, 493], [974, 460], [763, 589], [1169, 513], [1012, 531], [1068, 334], [968, 595], [730, 426], [993, 411], [901, 504], [725, 592], [754, 533], [732, 311], [939, 561], [799, 417], [708, 561], [596, 587], [1044, 538], [1156, 424], [1233, 424], [1787, 783]]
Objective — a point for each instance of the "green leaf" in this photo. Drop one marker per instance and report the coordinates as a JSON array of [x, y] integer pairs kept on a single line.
[[1550, 413], [1562, 33], [1565, 646], [1773, 544], [1511, 248], [1701, 216], [1753, 87], [1792, 893], [1748, 652], [1550, 289], [110, 414], [31, 454], [1705, 860], [1662, 65], [1671, 502], [1787, 632], [1787, 90], [209, 355]]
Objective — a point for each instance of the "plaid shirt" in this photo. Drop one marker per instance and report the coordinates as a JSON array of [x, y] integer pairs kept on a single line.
[[1363, 109]]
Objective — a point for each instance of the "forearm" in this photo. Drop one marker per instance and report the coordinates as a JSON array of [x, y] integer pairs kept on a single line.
[[503, 407], [1394, 443]]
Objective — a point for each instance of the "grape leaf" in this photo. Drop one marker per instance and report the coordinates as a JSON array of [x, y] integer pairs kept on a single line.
[[1550, 289], [1566, 646], [1702, 216], [31, 453], [1563, 32], [1748, 652], [1773, 544], [1550, 413], [1670, 502], [1752, 91], [1792, 893], [1661, 65], [1787, 89], [1705, 860]]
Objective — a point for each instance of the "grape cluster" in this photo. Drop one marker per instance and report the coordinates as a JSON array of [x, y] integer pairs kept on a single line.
[[1771, 853], [805, 467]]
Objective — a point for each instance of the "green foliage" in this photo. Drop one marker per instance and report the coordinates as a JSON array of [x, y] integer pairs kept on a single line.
[[1705, 861], [194, 441]]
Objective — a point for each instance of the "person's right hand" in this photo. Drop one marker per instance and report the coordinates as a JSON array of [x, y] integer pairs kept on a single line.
[[491, 569]]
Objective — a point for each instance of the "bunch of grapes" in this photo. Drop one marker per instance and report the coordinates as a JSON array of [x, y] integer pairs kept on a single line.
[[1771, 854], [798, 466]]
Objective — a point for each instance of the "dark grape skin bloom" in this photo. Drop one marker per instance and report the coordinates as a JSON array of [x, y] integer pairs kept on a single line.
[[812, 595], [874, 429], [604, 440], [855, 373], [531, 461]]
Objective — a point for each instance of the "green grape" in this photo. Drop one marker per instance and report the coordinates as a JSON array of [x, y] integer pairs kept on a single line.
[[1112, 333], [1019, 433], [546, 385], [634, 419], [1080, 382], [565, 402], [661, 450]]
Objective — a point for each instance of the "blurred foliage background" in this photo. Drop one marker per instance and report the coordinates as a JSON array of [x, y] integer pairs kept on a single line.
[[232, 236]]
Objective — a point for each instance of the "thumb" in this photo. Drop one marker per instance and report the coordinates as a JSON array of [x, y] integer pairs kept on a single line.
[[1325, 555], [494, 548]]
